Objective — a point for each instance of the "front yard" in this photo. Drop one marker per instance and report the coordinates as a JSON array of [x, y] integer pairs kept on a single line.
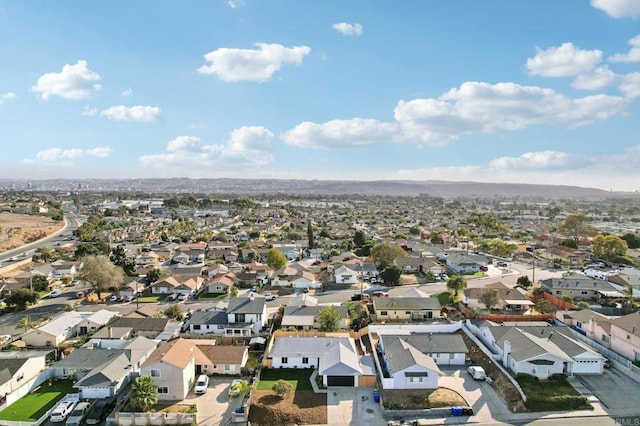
[[35, 404], [420, 399], [555, 394]]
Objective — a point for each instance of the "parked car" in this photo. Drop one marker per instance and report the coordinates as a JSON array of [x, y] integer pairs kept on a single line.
[[62, 411], [100, 411], [113, 299], [233, 389], [476, 372], [76, 418], [183, 296], [201, 384], [55, 293], [172, 297], [356, 296], [380, 293], [502, 264], [270, 296], [484, 268]]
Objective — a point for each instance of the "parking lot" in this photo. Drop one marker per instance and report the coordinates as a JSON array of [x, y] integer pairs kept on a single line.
[[215, 407]]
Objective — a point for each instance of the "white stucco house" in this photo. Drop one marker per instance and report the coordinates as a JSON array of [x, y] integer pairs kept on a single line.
[[345, 275]]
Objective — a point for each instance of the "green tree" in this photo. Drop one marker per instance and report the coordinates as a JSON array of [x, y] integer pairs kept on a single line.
[[456, 283], [39, 283], [359, 238], [524, 281], [583, 305], [489, 297], [233, 291], [391, 274], [100, 273], [385, 253], [153, 275], [119, 258], [329, 319], [174, 312], [633, 240], [282, 388], [414, 230], [609, 247], [576, 227], [26, 323], [310, 238], [544, 306], [21, 298], [275, 259], [44, 254], [144, 393], [241, 388], [567, 298]]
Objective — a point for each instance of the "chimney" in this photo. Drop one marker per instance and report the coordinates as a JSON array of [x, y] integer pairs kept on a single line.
[[110, 333], [506, 350]]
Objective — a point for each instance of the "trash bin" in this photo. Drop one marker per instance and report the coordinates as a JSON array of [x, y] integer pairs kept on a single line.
[[467, 411], [376, 396]]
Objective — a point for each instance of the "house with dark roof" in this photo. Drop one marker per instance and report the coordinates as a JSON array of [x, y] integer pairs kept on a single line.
[[443, 348], [17, 368], [540, 351], [405, 309], [405, 366], [246, 315], [208, 322], [580, 287], [151, 328]]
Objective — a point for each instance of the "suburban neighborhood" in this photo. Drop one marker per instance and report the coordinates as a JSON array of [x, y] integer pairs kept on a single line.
[[317, 310]]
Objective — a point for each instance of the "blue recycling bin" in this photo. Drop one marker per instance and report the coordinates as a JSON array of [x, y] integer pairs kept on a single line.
[[376, 396]]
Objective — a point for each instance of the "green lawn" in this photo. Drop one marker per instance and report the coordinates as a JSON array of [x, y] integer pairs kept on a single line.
[[35, 405], [152, 298], [299, 379], [555, 394], [445, 298], [212, 296]]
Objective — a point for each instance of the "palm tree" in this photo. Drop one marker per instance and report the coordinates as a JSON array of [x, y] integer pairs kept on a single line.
[[144, 393], [26, 323]]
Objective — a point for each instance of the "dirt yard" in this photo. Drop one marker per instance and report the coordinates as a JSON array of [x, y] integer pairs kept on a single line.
[[300, 407], [18, 229], [419, 399]]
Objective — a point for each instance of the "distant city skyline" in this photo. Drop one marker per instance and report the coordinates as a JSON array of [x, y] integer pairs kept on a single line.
[[498, 91]]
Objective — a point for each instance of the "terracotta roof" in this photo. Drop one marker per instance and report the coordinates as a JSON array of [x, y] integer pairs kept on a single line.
[[224, 354], [178, 353]]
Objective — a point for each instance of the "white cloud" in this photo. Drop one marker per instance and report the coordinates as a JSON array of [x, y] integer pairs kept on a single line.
[[89, 111], [234, 4], [7, 96], [247, 147], [548, 167], [127, 92], [563, 61], [618, 8], [259, 64], [473, 108], [139, 113], [341, 133], [56, 154], [73, 82], [633, 55], [630, 85], [595, 80], [348, 29]]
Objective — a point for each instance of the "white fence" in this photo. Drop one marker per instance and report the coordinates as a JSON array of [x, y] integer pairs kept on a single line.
[[44, 418], [130, 419], [26, 388]]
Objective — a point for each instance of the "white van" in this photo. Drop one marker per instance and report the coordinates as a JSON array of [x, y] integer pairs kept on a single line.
[[477, 372], [62, 411]]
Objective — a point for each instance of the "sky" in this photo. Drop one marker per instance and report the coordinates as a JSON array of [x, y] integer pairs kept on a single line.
[[542, 92]]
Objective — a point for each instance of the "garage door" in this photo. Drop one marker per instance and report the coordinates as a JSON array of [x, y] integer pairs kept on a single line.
[[340, 381]]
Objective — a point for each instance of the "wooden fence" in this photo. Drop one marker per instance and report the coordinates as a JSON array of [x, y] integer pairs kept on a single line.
[[556, 301]]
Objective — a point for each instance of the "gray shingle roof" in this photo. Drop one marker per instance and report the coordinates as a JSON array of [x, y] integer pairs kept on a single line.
[[208, 317], [406, 303], [400, 355], [429, 343], [246, 305]]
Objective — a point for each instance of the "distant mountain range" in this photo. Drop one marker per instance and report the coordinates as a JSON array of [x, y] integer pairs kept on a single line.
[[434, 188]]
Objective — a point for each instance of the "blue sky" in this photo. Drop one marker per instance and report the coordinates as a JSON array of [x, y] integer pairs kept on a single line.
[[492, 91]]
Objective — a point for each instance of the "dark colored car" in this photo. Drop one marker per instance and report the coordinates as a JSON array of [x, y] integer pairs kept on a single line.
[[100, 411], [356, 296], [484, 268]]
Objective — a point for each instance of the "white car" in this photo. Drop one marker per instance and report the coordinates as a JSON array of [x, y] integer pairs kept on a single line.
[[183, 296], [62, 411], [233, 389], [55, 293], [270, 296], [201, 384]]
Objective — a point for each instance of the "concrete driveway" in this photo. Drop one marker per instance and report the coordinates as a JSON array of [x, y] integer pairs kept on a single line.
[[353, 406], [618, 394], [214, 407]]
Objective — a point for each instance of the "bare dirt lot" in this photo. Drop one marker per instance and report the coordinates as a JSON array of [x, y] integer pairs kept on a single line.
[[300, 407], [18, 229], [418, 399]]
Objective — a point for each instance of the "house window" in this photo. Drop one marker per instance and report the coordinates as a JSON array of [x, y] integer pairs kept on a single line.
[[196, 326], [285, 360], [227, 367], [408, 312], [20, 377], [452, 356], [579, 324], [163, 389], [239, 317], [416, 379], [305, 360], [585, 292], [383, 313], [155, 373]]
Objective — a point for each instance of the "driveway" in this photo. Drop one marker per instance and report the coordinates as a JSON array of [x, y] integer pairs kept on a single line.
[[214, 407], [618, 394], [353, 406]]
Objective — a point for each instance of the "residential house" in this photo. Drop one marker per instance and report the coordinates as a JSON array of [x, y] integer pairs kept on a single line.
[[173, 368], [225, 359], [220, 284], [406, 367], [589, 323], [407, 308], [216, 269], [366, 270], [574, 258], [443, 348], [148, 259], [69, 325], [625, 336], [345, 275], [507, 299], [152, 328], [461, 263], [335, 358], [208, 322], [302, 312], [413, 264], [539, 351], [63, 269], [246, 315], [179, 284], [580, 287], [18, 368]]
